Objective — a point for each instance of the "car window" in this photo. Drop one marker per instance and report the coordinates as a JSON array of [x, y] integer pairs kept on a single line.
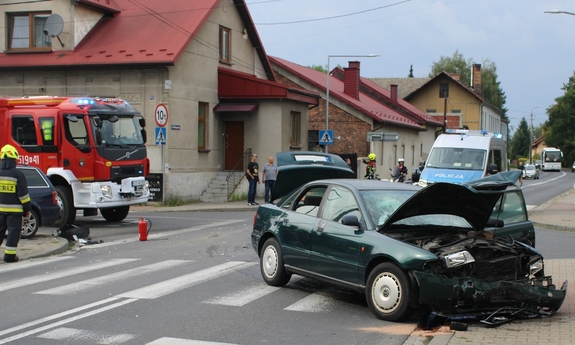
[[340, 202], [33, 178], [510, 208], [382, 203], [309, 201]]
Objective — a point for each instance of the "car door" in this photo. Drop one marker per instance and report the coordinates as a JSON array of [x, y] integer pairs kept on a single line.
[[335, 248], [296, 226], [511, 209]]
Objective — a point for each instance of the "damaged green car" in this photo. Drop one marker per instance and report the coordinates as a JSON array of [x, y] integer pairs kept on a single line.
[[458, 249]]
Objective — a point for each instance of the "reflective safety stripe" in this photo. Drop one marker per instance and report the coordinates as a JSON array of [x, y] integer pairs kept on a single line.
[[25, 198], [11, 208], [10, 251]]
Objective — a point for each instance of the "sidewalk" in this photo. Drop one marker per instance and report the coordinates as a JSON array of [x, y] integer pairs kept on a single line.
[[558, 214]]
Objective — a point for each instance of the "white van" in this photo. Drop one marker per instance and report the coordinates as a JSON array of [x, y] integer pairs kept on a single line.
[[463, 155]]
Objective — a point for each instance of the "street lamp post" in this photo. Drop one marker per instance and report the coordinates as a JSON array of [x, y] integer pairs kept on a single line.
[[531, 135], [327, 87]]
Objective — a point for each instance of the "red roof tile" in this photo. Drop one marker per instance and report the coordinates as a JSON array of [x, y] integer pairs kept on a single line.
[[365, 104], [144, 32]]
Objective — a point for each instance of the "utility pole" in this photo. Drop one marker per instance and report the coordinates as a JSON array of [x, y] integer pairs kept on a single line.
[[531, 135]]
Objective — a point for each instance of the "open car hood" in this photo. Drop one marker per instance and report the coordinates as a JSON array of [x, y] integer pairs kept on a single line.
[[473, 201], [296, 168]]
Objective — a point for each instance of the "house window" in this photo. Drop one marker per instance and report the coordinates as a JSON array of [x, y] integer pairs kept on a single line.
[[202, 124], [225, 45], [295, 121], [25, 31], [456, 111], [431, 111]]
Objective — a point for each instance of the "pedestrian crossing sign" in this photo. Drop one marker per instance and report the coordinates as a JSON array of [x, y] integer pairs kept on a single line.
[[326, 137], [160, 135]]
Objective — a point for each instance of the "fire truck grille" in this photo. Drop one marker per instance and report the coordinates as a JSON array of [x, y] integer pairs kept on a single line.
[[118, 173]]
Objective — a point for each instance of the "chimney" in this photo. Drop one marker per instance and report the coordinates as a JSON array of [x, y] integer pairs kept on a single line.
[[351, 79], [393, 92], [476, 78]]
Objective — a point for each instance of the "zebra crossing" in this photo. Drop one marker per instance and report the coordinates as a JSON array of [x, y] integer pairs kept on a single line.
[[54, 326]]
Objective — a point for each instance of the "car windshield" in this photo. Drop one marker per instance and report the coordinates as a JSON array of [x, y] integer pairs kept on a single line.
[[382, 203], [530, 167], [456, 158], [124, 131]]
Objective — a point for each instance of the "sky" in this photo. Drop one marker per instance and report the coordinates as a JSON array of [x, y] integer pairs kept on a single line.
[[534, 51]]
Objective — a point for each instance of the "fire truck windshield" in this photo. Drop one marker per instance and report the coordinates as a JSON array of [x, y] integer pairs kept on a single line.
[[124, 130]]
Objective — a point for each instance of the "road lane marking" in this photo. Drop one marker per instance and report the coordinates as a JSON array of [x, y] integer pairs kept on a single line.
[[75, 335], [74, 288], [32, 263], [172, 285], [65, 321], [179, 341], [56, 316], [245, 296], [314, 303], [65, 273]]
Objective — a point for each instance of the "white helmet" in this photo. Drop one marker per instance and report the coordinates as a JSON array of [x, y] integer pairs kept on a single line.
[[401, 160]]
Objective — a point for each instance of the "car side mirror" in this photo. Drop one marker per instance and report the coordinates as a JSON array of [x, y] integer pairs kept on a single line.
[[493, 169], [351, 220]]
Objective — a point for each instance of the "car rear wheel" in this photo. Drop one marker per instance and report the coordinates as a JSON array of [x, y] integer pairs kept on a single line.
[[30, 225], [272, 264], [388, 290]]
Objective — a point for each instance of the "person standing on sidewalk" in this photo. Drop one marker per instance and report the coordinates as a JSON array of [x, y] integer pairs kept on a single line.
[[269, 177], [14, 201], [253, 180]]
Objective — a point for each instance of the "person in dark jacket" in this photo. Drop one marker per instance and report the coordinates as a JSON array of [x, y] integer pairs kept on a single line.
[[14, 201]]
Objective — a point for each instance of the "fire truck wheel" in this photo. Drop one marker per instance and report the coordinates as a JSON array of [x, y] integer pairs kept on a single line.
[[30, 225], [117, 214], [67, 210]]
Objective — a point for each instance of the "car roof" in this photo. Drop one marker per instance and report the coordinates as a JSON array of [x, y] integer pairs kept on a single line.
[[361, 185]]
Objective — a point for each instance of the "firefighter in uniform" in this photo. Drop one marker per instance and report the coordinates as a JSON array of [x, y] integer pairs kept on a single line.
[[14, 201]]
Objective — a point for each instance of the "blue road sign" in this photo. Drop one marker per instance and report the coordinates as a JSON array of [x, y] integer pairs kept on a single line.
[[160, 135], [326, 137]]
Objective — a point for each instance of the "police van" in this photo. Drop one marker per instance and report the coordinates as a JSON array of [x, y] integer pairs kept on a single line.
[[462, 155]]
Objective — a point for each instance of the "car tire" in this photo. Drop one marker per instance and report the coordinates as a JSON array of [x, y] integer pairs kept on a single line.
[[67, 209], [388, 292], [30, 225], [272, 264], [116, 214]]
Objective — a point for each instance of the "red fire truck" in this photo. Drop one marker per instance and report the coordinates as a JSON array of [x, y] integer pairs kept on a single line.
[[92, 149]]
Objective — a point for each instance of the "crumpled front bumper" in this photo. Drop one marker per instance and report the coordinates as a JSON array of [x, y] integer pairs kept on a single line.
[[472, 296]]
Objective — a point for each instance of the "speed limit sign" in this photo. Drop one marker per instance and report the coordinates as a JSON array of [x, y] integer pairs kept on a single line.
[[161, 115]]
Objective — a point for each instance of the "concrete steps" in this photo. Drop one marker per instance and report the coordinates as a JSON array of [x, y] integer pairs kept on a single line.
[[217, 189]]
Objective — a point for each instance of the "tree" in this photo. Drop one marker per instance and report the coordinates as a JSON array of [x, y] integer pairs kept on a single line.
[[519, 145], [559, 128], [490, 86]]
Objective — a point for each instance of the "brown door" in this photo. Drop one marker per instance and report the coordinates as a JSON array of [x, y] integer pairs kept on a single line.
[[234, 144]]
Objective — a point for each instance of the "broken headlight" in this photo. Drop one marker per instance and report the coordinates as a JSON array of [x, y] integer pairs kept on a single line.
[[458, 259], [535, 267]]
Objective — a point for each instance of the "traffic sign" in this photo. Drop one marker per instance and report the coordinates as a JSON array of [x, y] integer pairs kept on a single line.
[[161, 115], [326, 137], [160, 135]]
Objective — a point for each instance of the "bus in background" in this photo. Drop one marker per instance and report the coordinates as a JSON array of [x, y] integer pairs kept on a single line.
[[551, 159]]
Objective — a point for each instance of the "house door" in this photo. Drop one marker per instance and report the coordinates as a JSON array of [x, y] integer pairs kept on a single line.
[[234, 143]]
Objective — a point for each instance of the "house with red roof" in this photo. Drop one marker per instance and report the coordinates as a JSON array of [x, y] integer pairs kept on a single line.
[[359, 110], [203, 60]]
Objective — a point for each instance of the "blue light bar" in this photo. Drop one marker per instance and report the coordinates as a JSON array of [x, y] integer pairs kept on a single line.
[[83, 101]]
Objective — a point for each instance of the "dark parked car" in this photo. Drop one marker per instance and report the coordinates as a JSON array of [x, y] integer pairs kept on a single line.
[[45, 208], [460, 249]]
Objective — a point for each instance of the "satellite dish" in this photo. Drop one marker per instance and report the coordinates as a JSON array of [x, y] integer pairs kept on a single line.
[[54, 25]]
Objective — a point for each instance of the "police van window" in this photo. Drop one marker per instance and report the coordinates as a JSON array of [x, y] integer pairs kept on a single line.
[[47, 130], [495, 157], [24, 130]]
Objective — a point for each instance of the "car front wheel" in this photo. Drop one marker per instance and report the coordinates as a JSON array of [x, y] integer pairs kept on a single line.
[[272, 264], [30, 225], [387, 292]]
